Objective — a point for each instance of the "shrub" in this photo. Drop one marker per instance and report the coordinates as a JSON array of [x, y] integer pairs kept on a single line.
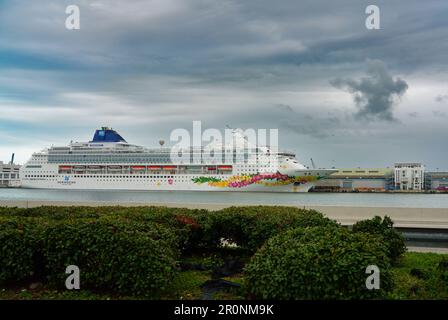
[[113, 252], [20, 249], [317, 263], [442, 268], [251, 226], [107, 243], [248, 226], [384, 228], [141, 215], [53, 212], [112, 255], [16, 254]]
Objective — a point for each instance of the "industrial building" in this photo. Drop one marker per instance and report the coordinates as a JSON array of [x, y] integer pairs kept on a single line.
[[437, 181], [9, 175], [409, 176], [359, 179]]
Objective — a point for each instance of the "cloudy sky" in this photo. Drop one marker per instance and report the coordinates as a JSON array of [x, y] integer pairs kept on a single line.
[[339, 93]]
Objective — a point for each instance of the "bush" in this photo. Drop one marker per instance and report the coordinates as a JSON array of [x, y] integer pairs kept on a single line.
[[133, 250], [248, 226], [251, 226], [16, 250], [112, 255], [384, 228], [442, 268], [53, 212], [317, 263]]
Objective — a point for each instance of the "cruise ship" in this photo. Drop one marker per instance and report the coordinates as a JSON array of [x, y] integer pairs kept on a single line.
[[109, 162]]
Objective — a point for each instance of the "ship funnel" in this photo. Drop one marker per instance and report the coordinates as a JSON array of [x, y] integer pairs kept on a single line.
[[106, 134], [12, 158]]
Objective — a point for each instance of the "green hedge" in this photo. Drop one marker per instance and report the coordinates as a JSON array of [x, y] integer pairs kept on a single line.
[[18, 244], [248, 226], [385, 229], [251, 226], [317, 263], [442, 269], [134, 250], [113, 253]]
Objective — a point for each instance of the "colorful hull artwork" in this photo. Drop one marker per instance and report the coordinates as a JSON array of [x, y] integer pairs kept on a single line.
[[241, 181]]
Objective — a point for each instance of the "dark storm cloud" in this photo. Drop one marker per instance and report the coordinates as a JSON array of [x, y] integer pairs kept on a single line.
[[439, 114], [442, 98], [148, 66], [297, 120], [375, 94], [305, 123]]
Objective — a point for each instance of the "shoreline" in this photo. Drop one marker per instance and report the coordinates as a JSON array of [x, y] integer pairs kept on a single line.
[[431, 218], [413, 192]]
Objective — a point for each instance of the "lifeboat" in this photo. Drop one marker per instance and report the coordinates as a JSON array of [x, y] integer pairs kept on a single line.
[[225, 167], [211, 168], [94, 169], [79, 169], [138, 168], [114, 169], [65, 167], [154, 167], [169, 168]]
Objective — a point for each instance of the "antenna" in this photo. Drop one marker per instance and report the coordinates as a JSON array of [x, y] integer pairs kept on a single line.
[[235, 131], [313, 164]]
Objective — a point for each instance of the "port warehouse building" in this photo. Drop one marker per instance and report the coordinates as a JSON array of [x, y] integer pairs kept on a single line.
[[9, 175], [358, 179], [375, 179], [436, 181]]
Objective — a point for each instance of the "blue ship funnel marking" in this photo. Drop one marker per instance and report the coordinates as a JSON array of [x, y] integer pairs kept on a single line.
[[107, 135]]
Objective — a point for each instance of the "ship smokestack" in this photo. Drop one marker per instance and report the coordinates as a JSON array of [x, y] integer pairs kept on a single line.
[[12, 158]]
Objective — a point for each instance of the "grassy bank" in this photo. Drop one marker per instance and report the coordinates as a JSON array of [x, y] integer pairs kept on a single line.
[[418, 277]]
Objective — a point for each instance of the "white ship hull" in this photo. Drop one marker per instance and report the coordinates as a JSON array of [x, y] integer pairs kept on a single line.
[[147, 184]]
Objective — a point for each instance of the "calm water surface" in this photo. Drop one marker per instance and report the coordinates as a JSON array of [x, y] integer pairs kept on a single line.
[[323, 199]]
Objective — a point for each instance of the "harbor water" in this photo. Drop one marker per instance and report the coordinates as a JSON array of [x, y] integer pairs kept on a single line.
[[391, 200]]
